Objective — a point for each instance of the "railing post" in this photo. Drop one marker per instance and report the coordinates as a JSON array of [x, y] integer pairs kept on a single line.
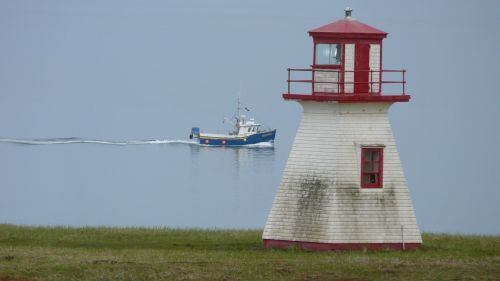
[[288, 80], [371, 81], [338, 82], [404, 83], [380, 81], [312, 80]]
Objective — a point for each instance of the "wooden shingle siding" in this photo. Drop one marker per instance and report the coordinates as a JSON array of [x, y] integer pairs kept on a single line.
[[331, 76], [320, 198], [375, 66], [349, 67]]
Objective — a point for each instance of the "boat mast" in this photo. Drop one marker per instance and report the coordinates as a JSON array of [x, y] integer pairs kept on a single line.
[[238, 116], [238, 109]]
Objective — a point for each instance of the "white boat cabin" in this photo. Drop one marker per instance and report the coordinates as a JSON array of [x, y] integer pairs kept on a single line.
[[246, 127]]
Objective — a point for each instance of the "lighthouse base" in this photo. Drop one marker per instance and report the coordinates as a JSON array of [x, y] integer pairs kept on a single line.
[[321, 203], [313, 246]]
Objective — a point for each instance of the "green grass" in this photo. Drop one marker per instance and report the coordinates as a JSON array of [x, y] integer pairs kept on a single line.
[[101, 253]]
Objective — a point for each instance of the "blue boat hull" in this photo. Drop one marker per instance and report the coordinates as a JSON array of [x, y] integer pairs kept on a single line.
[[267, 136]]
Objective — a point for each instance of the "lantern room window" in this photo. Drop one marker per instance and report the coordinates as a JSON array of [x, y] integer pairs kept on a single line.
[[328, 54], [371, 167]]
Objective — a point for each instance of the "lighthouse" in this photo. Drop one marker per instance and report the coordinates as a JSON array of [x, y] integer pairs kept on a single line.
[[343, 186]]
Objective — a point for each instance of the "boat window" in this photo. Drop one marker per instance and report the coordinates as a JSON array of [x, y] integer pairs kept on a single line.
[[328, 54], [249, 129]]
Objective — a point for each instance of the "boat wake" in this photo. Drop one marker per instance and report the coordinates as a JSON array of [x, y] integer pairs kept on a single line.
[[74, 140], [260, 145]]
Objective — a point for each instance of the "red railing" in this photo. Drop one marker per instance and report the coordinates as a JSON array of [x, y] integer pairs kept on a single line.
[[346, 82]]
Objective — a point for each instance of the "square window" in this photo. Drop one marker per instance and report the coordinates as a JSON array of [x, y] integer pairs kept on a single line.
[[371, 170], [328, 54]]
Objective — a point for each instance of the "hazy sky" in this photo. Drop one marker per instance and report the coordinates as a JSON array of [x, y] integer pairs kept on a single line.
[[152, 69]]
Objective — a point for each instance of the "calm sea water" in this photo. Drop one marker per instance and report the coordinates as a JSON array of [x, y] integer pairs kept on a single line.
[[136, 183]]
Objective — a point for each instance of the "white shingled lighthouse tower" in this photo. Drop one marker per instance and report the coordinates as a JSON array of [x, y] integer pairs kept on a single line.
[[343, 186]]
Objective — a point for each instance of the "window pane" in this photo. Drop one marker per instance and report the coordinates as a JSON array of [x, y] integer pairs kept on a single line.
[[328, 53], [373, 178], [366, 178], [368, 155], [375, 167], [337, 53], [368, 167], [375, 155], [322, 53]]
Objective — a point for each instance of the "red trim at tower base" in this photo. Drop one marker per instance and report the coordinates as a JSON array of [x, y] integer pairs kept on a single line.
[[348, 98], [313, 246]]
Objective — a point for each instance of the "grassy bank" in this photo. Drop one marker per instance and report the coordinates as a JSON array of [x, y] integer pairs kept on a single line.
[[58, 253]]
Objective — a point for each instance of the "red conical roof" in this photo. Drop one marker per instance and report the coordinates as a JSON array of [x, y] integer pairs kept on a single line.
[[347, 28]]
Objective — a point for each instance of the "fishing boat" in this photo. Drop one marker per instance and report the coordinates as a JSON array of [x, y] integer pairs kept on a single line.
[[246, 132]]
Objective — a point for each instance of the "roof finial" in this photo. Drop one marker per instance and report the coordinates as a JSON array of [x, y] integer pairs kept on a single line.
[[348, 13]]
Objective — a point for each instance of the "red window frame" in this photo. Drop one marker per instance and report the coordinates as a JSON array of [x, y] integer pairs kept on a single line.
[[372, 163], [329, 66]]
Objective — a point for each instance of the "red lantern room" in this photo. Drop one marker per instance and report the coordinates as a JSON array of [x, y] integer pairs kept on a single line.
[[347, 66]]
